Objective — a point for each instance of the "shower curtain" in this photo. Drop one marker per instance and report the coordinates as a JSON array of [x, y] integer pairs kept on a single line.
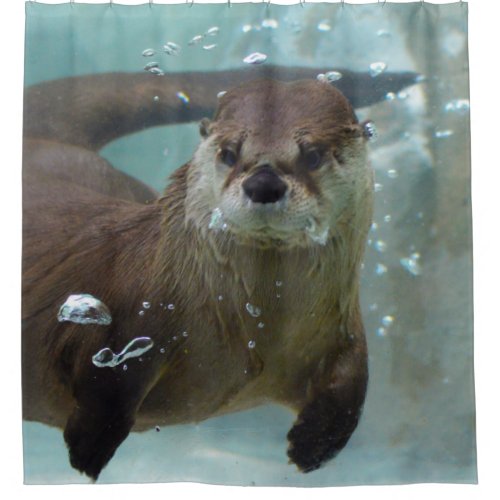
[[116, 98]]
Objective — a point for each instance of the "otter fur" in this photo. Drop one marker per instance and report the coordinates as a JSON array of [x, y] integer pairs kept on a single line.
[[249, 264]]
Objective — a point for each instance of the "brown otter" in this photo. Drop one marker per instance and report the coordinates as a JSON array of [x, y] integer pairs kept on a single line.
[[249, 265]]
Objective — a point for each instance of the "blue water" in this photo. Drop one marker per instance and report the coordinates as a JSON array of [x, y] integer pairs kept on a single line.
[[418, 423]]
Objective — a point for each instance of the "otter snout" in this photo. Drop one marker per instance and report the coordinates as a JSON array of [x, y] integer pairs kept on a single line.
[[265, 186]]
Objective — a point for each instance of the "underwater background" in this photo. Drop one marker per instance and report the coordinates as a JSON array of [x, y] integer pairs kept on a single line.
[[418, 423]]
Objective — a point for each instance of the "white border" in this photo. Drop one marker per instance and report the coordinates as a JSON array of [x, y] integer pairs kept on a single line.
[[484, 27]]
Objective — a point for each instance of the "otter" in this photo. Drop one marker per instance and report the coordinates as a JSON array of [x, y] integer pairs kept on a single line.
[[243, 275]]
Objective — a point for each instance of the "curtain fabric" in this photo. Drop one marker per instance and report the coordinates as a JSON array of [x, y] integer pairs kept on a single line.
[[114, 97]]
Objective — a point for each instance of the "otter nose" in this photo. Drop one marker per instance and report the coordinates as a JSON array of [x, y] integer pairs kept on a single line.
[[265, 186]]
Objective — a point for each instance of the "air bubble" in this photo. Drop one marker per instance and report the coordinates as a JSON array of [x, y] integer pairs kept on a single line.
[[171, 307], [209, 47], [221, 94], [381, 332], [217, 220], [377, 68], [380, 246], [383, 33], [270, 24], [377, 187], [324, 25], [146, 305], [387, 320], [412, 265], [251, 344], [370, 131], [137, 347], [255, 58], [151, 65], [171, 49], [333, 76], [441, 134], [156, 71], [460, 106], [279, 283], [105, 357], [392, 173], [84, 309], [260, 325], [253, 310], [148, 52], [195, 40], [213, 31], [380, 269], [387, 218]]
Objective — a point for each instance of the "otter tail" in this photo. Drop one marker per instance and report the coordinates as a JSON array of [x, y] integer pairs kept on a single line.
[[90, 111]]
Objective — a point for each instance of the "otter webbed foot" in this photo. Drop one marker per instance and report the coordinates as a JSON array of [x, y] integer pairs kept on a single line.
[[92, 439], [322, 429]]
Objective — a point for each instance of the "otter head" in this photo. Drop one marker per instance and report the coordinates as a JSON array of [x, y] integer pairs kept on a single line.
[[281, 164]]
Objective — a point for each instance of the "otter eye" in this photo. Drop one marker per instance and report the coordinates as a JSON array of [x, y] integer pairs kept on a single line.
[[228, 157], [312, 159]]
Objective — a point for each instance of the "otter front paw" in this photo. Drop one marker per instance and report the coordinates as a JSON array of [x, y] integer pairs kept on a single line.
[[309, 448], [320, 432], [92, 441]]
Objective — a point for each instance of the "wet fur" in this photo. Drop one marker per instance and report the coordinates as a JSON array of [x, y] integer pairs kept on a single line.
[[100, 232]]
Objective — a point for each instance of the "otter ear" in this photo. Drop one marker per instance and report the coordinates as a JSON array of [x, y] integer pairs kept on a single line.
[[205, 127]]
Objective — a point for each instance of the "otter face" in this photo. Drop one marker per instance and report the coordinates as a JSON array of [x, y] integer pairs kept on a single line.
[[282, 163]]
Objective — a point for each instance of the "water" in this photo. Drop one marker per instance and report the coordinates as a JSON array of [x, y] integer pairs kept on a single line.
[[419, 362]]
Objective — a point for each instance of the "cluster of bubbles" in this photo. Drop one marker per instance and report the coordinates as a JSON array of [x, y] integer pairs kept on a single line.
[[386, 321], [255, 312], [265, 24], [217, 221], [174, 49], [147, 305], [197, 39]]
